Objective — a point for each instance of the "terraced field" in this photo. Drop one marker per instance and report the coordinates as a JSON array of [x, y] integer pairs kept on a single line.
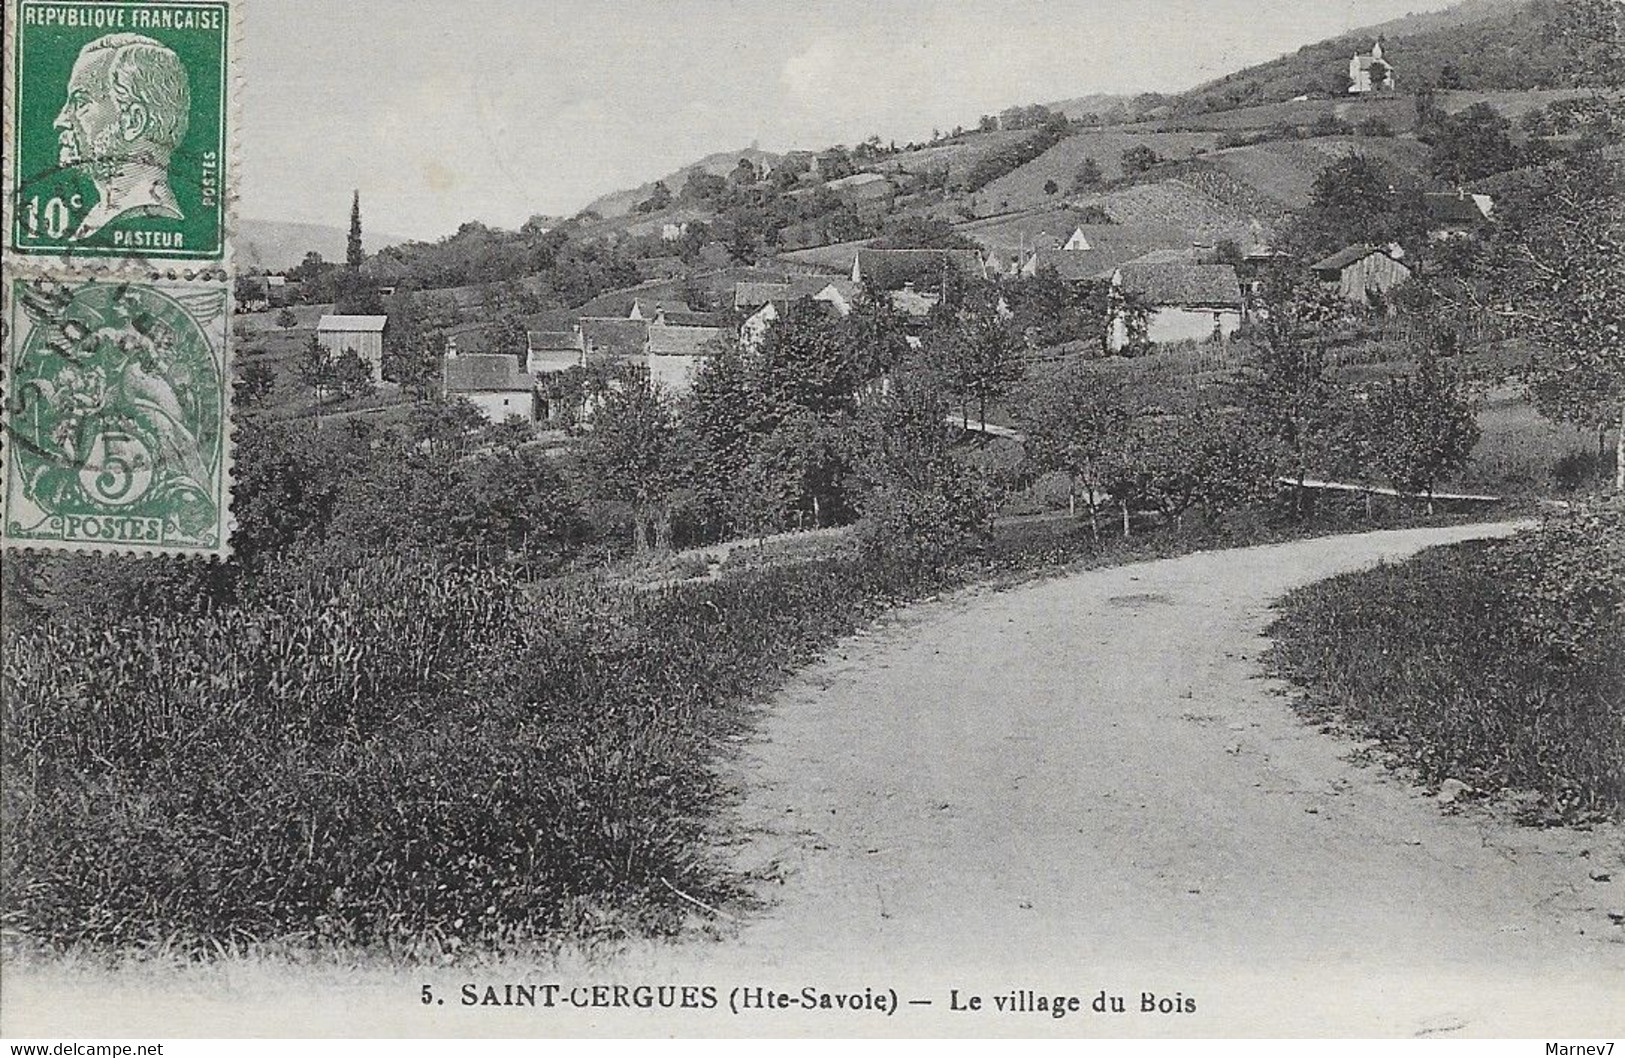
[[1025, 186]]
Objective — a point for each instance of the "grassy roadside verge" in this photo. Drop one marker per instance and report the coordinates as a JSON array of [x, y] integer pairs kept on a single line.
[[1498, 664], [383, 757]]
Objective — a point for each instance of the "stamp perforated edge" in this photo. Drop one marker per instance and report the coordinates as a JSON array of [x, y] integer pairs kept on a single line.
[[228, 439], [121, 265]]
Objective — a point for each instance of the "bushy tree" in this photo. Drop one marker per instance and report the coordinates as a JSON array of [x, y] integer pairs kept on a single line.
[[1473, 144], [1356, 200], [352, 375], [1556, 273], [317, 370], [255, 383], [286, 319], [1419, 428], [1073, 418], [1290, 392], [1139, 158], [630, 455], [922, 506]]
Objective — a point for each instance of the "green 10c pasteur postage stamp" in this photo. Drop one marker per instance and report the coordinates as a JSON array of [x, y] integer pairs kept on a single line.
[[117, 130], [115, 415]]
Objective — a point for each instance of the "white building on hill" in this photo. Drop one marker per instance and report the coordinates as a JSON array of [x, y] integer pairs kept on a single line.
[[1370, 73]]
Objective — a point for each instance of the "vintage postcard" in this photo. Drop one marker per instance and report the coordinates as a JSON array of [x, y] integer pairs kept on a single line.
[[851, 518]]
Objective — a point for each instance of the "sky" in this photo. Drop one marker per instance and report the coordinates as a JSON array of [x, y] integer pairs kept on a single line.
[[497, 110]]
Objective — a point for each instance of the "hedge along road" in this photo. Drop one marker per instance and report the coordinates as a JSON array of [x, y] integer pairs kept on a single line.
[[1086, 784]]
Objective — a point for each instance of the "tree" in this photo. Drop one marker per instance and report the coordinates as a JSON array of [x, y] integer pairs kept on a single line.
[[921, 506], [316, 370], [702, 187], [1139, 158], [1355, 200], [1051, 187], [979, 352], [353, 255], [1419, 428], [352, 375], [1290, 392], [1473, 144], [409, 356], [507, 337], [286, 319], [718, 442], [1073, 417], [631, 457], [659, 198], [1556, 273], [254, 385], [1087, 176], [743, 174]]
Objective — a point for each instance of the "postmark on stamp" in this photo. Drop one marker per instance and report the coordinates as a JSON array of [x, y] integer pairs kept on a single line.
[[118, 130], [116, 434]]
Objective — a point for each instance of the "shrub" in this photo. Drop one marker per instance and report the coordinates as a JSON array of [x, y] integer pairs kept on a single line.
[[1502, 664]]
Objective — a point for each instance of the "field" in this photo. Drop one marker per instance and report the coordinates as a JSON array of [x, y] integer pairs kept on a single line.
[[957, 157], [1025, 186], [1398, 111], [1284, 171]]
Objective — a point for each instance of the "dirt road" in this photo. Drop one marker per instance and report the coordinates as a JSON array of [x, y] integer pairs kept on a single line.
[[1074, 787], [1086, 783]]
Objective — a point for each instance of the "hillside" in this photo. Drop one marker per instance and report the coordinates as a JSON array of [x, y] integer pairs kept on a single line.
[[275, 245], [1485, 44], [620, 203]]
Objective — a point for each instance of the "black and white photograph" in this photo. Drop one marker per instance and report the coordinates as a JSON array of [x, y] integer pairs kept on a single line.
[[847, 519]]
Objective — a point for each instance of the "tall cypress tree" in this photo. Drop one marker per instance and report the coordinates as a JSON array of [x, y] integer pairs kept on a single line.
[[353, 255]]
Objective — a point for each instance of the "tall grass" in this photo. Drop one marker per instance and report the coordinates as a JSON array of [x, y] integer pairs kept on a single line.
[[1498, 664], [390, 754]]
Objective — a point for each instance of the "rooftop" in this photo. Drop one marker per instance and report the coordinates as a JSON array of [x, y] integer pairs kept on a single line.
[[351, 324], [680, 341], [608, 336], [890, 269], [1189, 285], [485, 373], [1346, 256]]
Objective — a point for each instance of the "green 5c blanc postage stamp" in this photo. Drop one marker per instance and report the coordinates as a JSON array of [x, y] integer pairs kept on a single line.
[[118, 145], [116, 431]]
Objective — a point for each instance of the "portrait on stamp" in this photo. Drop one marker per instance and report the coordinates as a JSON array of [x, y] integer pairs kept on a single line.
[[115, 416], [119, 125]]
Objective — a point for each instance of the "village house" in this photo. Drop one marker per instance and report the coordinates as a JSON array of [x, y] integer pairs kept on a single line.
[[551, 351], [676, 347], [614, 337], [1361, 273], [1370, 73], [768, 302], [1180, 302], [1456, 214], [493, 383], [363, 334]]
